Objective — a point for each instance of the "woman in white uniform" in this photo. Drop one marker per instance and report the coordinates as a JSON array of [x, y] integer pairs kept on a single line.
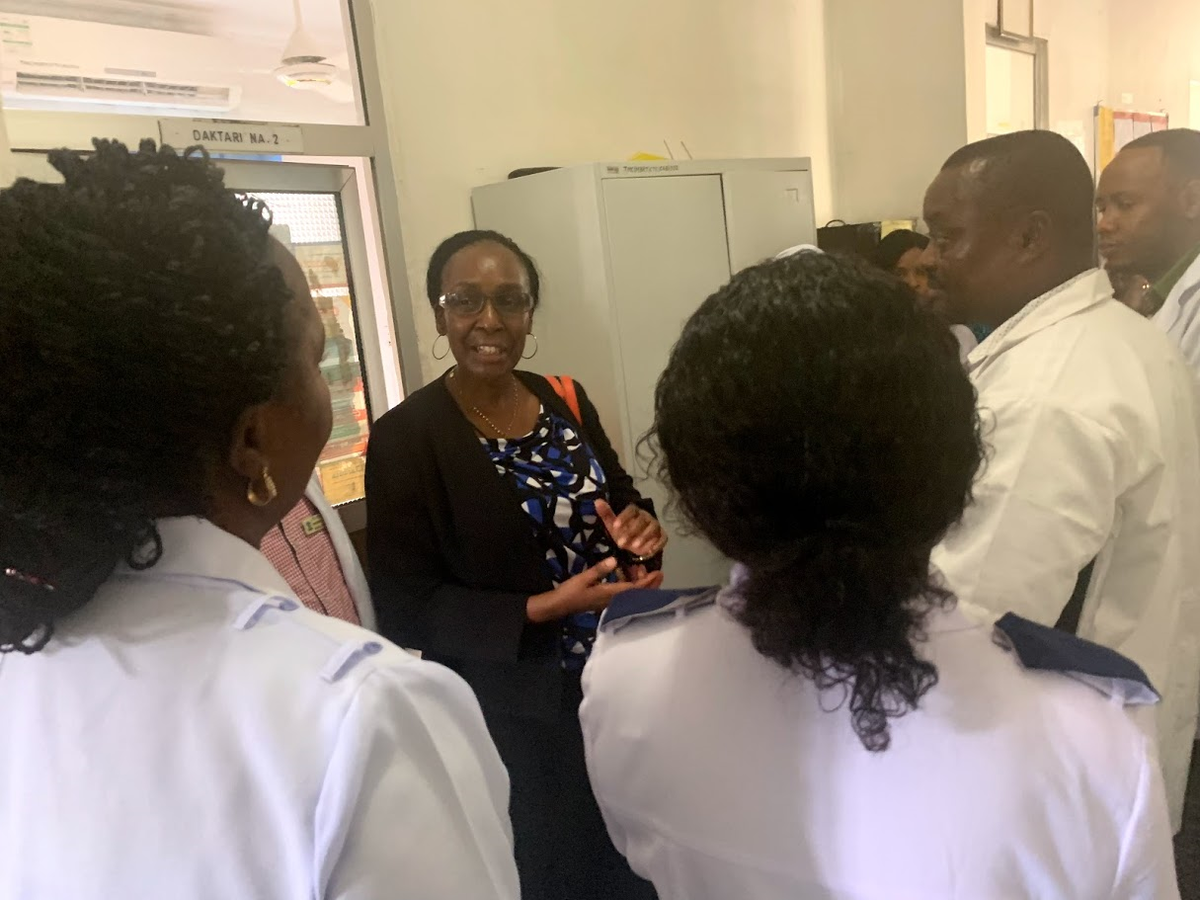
[[176, 724], [830, 727]]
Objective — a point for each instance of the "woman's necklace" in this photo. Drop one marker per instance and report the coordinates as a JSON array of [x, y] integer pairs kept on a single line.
[[516, 405]]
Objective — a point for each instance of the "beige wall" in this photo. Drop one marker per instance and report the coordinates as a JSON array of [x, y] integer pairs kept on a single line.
[[474, 90], [897, 101], [1154, 52], [1078, 34], [977, 15]]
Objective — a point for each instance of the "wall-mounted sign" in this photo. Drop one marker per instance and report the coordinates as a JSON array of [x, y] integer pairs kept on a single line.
[[243, 137]]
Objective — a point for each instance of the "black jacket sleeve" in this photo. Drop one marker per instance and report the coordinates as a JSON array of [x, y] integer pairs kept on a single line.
[[419, 602], [621, 490]]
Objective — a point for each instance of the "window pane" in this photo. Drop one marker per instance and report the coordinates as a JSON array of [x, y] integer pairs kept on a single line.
[[1010, 90]]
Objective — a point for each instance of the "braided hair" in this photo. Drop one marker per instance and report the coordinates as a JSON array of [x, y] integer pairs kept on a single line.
[[140, 315]]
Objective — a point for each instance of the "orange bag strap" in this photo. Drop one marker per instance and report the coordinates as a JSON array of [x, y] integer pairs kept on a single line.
[[564, 386]]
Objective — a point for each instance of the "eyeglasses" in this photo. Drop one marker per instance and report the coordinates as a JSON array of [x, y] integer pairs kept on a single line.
[[469, 301]]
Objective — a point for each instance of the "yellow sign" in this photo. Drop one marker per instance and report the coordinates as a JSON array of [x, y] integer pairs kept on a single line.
[[887, 226], [344, 480]]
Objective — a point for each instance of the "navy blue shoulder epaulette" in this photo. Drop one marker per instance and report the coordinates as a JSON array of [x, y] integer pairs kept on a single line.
[[645, 604], [1050, 650]]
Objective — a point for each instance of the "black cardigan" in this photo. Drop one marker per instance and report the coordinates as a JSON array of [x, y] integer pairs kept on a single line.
[[453, 557]]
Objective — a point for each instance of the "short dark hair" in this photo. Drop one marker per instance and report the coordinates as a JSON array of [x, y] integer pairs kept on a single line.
[[895, 245], [461, 241], [140, 315], [1180, 148], [1036, 170], [818, 427]]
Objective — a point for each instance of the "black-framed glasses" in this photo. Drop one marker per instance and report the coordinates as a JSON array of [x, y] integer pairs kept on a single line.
[[470, 301]]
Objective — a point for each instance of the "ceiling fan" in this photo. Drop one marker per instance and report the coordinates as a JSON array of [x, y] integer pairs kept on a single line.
[[305, 67]]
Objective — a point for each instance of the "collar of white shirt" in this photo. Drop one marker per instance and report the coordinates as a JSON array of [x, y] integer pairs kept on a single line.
[[1088, 289], [195, 548]]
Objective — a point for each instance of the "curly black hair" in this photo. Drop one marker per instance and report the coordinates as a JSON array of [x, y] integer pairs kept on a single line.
[[818, 428], [461, 241], [895, 245], [140, 315]]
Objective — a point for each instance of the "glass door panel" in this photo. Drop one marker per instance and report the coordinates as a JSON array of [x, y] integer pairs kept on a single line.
[[311, 207], [311, 225]]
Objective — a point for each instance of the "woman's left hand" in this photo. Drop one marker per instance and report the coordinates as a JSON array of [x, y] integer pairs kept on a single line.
[[635, 531]]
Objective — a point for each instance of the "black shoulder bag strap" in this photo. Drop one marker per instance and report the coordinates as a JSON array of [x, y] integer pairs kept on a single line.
[[1069, 620]]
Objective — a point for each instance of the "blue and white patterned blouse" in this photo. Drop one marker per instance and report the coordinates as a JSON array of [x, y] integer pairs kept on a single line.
[[559, 480]]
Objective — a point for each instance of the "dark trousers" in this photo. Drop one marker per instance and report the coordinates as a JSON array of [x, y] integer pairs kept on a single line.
[[562, 847], [1187, 842]]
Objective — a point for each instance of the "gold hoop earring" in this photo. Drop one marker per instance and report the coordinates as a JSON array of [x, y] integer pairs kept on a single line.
[[268, 493], [434, 350], [535, 347]]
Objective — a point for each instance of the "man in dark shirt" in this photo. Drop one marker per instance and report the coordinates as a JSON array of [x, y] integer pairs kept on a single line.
[[1148, 206]]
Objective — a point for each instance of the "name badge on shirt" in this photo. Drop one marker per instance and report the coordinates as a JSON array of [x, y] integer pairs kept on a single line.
[[313, 525]]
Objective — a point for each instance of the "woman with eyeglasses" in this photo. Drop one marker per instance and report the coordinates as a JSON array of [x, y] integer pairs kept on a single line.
[[501, 523]]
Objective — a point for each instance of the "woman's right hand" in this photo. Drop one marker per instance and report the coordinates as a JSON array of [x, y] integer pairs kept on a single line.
[[586, 592]]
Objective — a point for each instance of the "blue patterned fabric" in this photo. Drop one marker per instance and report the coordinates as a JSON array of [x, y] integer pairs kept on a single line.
[[981, 332], [559, 480]]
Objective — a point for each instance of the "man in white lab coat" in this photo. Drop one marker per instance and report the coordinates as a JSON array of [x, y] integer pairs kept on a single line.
[[1091, 415], [1148, 206]]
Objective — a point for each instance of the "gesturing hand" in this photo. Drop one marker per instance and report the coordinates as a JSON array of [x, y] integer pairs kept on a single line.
[[635, 531], [586, 592]]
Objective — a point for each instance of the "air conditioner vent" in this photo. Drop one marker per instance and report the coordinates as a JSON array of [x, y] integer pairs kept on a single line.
[[48, 85]]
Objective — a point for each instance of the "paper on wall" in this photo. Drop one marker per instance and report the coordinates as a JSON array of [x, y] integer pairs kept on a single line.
[[1122, 132]]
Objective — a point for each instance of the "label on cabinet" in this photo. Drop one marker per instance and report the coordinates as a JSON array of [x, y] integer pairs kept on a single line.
[[642, 168]]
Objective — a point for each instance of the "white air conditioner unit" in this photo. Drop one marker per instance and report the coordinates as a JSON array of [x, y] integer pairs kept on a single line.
[[64, 61]]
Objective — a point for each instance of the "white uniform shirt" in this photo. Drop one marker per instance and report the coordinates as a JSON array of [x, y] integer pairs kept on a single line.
[[1092, 421], [195, 733], [1179, 316], [723, 777]]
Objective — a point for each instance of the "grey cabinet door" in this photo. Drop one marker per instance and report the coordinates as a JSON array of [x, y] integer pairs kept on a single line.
[[667, 253], [766, 212]]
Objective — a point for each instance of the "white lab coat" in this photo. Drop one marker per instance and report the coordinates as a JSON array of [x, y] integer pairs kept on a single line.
[[352, 570], [722, 776], [1092, 420], [1179, 316], [194, 732]]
